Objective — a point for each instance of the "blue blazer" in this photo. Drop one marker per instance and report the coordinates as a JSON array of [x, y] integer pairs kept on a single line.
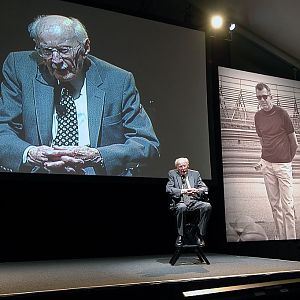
[[118, 125]]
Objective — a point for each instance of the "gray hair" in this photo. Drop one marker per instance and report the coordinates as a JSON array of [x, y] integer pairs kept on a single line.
[[180, 159], [78, 27]]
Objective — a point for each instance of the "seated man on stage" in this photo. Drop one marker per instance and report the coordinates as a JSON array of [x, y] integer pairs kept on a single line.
[[186, 188]]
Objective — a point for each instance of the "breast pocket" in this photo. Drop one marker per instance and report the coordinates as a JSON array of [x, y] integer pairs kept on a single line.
[[112, 130]]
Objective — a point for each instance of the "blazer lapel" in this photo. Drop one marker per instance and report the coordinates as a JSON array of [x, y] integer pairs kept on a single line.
[[44, 99], [95, 103], [191, 179], [178, 179]]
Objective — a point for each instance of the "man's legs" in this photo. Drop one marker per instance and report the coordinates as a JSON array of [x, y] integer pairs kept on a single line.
[[278, 181], [179, 211], [285, 179], [272, 187], [204, 212]]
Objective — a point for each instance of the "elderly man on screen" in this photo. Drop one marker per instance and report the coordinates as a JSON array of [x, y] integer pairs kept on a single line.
[[66, 111]]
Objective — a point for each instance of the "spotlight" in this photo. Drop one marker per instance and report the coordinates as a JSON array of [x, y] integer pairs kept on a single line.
[[232, 26], [216, 22]]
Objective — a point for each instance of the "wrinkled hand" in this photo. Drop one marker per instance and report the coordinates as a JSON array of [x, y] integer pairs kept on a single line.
[[37, 156], [71, 159], [192, 192]]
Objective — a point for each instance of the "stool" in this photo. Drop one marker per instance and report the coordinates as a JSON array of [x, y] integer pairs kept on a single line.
[[189, 239]]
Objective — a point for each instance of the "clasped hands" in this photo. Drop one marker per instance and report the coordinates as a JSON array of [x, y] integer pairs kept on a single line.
[[191, 192], [63, 159]]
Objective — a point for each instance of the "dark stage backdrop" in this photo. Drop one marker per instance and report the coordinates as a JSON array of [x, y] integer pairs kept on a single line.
[[57, 216]]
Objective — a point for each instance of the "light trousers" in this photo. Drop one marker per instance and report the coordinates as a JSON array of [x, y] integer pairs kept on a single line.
[[279, 185]]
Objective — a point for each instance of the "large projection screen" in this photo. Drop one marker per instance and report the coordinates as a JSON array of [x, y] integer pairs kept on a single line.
[[248, 213], [168, 63]]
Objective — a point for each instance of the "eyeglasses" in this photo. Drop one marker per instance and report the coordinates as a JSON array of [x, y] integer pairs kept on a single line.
[[63, 52], [265, 97]]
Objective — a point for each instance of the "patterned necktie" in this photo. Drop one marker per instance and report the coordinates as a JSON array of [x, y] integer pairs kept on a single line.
[[186, 198], [67, 130]]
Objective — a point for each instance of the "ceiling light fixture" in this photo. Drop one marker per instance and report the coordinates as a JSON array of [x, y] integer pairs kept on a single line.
[[232, 26], [216, 22]]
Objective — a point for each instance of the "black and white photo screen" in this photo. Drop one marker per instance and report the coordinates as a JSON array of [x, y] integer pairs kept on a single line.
[[261, 186]]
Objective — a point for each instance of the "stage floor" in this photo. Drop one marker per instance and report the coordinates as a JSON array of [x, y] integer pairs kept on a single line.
[[95, 275]]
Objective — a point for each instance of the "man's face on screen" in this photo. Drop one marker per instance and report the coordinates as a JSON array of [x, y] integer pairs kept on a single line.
[[264, 99], [60, 49]]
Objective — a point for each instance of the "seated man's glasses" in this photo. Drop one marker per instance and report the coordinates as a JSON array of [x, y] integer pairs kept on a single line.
[[265, 97], [65, 51]]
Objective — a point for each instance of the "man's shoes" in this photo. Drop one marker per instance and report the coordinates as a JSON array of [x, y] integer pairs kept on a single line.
[[200, 241], [179, 241]]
